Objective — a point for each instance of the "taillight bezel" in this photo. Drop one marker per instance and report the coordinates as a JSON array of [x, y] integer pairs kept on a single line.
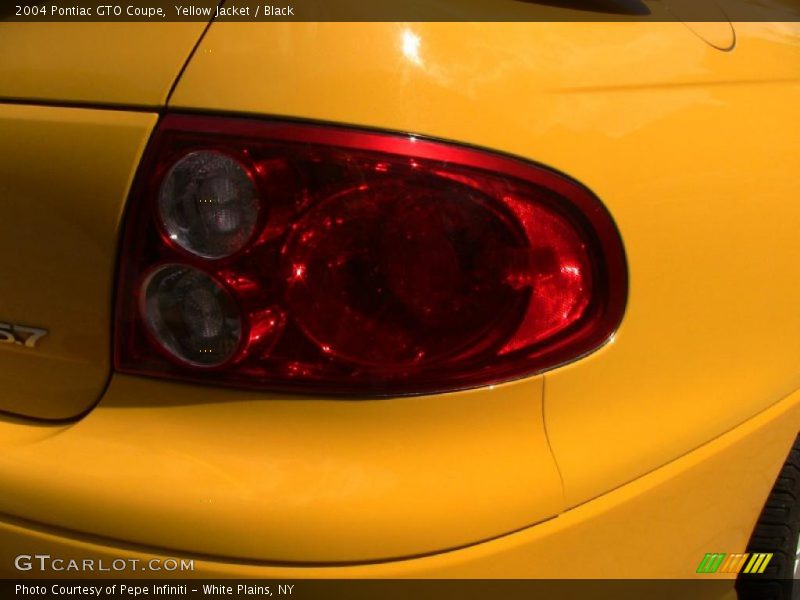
[[564, 196]]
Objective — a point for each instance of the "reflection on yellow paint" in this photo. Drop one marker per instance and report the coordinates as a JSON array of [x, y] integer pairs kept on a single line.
[[411, 42]]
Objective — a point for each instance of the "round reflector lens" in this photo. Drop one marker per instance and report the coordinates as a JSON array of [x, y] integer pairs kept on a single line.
[[402, 273], [208, 204], [191, 315]]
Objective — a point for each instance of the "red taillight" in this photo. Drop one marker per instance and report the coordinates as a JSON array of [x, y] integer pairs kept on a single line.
[[322, 259]]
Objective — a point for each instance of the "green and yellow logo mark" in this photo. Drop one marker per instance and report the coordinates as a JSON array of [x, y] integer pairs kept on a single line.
[[734, 563]]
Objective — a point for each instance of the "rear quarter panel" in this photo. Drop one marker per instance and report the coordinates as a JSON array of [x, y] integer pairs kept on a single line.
[[692, 149]]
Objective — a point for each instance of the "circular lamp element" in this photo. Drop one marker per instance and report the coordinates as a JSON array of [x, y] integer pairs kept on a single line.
[[208, 204], [191, 315]]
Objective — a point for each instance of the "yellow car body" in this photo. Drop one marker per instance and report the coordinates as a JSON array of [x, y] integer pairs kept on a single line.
[[631, 462]]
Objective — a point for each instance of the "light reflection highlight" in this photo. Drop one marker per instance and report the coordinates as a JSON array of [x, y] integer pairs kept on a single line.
[[411, 42]]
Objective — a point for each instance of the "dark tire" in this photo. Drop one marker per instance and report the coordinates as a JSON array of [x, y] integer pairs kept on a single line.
[[777, 530]]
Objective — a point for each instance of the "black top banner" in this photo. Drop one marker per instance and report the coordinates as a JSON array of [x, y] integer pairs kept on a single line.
[[400, 10]]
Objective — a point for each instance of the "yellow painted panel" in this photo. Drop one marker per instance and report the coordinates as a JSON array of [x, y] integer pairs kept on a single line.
[[64, 178], [694, 151], [102, 63], [258, 476], [659, 526]]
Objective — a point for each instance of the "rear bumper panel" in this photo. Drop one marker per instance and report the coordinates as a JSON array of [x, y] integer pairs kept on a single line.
[[266, 477], [658, 526]]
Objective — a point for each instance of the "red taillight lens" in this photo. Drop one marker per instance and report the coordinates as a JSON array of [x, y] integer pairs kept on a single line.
[[309, 258]]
